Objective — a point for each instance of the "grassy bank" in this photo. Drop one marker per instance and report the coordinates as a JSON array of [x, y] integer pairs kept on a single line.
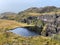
[[9, 24], [8, 38]]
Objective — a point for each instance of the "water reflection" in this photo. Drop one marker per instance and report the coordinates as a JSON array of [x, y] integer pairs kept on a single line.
[[23, 32]]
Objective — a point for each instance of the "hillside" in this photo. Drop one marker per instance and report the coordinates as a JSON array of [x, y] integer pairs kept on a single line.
[[13, 39], [33, 11], [45, 21], [8, 13], [40, 10]]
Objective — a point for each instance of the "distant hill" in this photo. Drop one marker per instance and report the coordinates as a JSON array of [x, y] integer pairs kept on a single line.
[[8, 13], [36, 10], [41, 10], [33, 11]]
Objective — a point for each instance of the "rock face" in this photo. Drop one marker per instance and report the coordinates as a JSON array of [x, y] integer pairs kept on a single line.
[[53, 24]]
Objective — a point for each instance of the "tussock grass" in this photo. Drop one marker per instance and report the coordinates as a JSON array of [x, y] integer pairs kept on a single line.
[[9, 38], [46, 13], [11, 24]]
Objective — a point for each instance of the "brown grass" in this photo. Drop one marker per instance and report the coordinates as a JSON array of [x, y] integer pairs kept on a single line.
[[47, 13], [11, 24]]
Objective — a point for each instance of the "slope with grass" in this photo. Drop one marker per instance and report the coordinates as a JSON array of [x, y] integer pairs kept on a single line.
[[28, 17], [9, 24]]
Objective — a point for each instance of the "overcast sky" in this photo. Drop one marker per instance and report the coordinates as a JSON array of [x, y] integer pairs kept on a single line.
[[19, 5]]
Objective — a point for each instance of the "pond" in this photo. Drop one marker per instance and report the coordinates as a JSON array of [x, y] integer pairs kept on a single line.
[[23, 32]]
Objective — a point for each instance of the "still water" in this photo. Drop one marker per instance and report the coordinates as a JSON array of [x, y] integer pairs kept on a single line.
[[23, 32]]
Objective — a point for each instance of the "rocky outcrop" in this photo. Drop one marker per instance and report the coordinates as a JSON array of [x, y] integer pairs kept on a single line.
[[53, 24]]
